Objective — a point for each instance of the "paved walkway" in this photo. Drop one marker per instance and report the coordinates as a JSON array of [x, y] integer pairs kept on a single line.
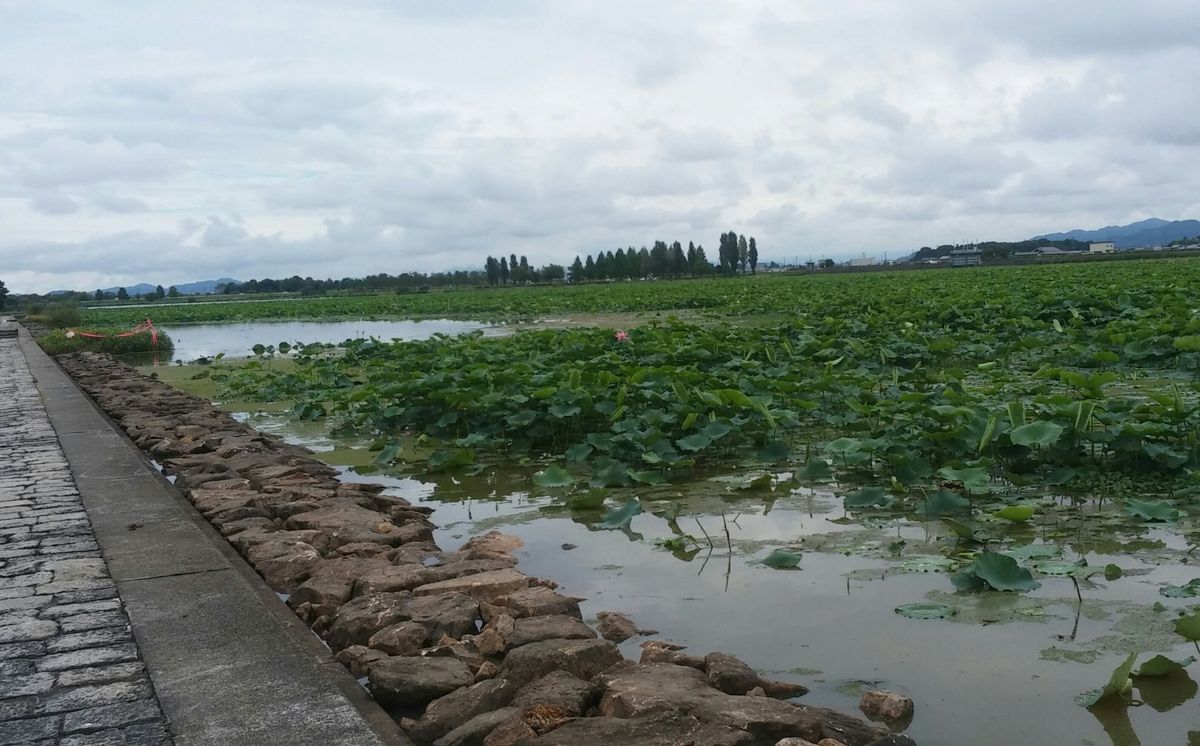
[[228, 662], [70, 672]]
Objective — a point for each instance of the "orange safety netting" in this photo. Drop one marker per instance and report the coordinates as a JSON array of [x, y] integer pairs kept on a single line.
[[145, 326]]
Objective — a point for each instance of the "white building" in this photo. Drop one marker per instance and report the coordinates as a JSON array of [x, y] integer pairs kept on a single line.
[[1102, 247], [863, 261]]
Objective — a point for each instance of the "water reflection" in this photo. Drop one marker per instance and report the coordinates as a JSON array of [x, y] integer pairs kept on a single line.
[[236, 340]]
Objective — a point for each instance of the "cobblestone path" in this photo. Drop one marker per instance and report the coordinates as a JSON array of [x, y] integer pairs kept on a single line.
[[69, 667]]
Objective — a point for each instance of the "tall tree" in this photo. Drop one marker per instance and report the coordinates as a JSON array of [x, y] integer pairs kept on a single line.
[[678, 260], [589, 268], [700, 265], [691, 258], [743, 254], [512, 267], [602, 266], [503, 270], [753, 254], [173, 292], [645, 266], [3, 295], [525, 272], [577, 270], [161, 292], [122, 294], [620, 265], [492, 267]]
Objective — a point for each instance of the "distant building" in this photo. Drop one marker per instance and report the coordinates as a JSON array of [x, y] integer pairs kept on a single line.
[[863, 261], [1102, 247], [965, 258]]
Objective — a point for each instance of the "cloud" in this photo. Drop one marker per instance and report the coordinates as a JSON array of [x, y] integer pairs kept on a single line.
[[148, 143], [53, 202]]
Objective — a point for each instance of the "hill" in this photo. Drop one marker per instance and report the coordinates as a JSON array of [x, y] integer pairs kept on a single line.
[[1151, 232]]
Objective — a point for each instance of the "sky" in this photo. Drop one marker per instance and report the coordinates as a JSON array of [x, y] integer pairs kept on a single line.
[[165, 141]]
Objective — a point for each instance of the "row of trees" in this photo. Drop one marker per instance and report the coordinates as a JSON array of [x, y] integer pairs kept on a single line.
[[663, 260], [519, 272], [3, 295], [122, 294]]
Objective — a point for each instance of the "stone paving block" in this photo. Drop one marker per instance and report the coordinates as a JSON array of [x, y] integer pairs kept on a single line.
[[112, 716], [90, 639], [29, 730], [81, 622], [101, 674], [88, 657]]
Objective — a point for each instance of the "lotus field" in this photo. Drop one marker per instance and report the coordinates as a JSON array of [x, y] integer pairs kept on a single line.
[[1024, 441]]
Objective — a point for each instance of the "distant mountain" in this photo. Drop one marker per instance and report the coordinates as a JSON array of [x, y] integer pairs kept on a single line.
[[185, 288], [1151, 232]]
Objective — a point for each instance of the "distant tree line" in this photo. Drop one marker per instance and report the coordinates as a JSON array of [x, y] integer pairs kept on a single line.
[[662, 261], [999, 249]]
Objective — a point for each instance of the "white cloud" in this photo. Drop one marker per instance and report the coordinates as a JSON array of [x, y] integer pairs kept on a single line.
[[147, 142]]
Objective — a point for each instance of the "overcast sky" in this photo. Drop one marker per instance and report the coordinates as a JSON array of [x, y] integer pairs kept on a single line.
[[167, 141]]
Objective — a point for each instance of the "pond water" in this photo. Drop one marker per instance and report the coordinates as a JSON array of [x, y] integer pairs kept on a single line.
[[194, 341], [1005, 668]]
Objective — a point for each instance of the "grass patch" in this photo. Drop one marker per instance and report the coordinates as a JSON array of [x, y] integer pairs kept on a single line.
[[63, 342]]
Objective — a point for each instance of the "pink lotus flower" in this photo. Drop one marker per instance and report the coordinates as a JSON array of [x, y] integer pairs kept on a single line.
[[622, 335]]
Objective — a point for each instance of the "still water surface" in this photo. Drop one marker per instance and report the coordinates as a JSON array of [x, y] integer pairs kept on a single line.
[[194, 341]]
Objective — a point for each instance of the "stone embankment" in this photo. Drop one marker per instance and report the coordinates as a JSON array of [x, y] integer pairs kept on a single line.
[[460, 646]]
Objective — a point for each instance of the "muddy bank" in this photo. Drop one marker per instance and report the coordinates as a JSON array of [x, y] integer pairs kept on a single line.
[[461, 646]]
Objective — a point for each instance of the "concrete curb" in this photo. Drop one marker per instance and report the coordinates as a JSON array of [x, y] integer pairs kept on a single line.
[[229, 661]]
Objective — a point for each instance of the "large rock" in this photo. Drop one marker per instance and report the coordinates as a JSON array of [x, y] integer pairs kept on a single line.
[[358, 659], [538, 601], [356, 621], [632, 691], [330, 583], [558, 689], [538, 628], [661, 729], [484, 586], [406, 577], [615, 626], [729, 674], [414, 680], [284, 564], [493, 543], [346, 522], [583, 659], [880, 704], [475, 731], [401, 638], [450, 614], [447, 713]]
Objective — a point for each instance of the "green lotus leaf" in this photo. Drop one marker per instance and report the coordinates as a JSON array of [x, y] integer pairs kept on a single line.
[[1151, 510], [999, 572], [1161, 665], [1040, 433], [553, 476], [1190, 589], [1016, 513], [782, 559], [945, 502], [868, 497], [1119, 685], [620, 517], [1188, 627], [926, 610], [591, 500]]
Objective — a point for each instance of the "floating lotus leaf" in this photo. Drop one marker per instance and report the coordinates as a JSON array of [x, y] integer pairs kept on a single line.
[[621, 517], [926, 610], [553, 476], [1151, 510], [1016, 513], [782, 559], [1190, 589], [997, 571], [1119, 685], [1161, 665]]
